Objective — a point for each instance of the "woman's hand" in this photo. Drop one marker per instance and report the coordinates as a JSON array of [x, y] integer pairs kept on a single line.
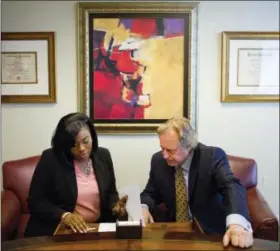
[[119, 209], [76, 223]]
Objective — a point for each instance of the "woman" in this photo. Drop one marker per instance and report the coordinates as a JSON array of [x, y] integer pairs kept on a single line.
[[73, 182]]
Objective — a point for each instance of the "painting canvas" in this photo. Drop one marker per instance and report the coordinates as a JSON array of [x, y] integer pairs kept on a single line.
[[136, 64], [138, 68]]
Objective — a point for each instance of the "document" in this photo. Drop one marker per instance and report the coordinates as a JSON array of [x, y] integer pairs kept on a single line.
[[107, 227], [258, 67], [129, 223], [133, 204], [19, 68]]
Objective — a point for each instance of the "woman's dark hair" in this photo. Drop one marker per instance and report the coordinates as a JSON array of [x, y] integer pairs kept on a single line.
[[67, 129]]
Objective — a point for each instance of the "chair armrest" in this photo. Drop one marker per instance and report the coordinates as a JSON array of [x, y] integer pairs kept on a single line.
[[10, 214], [264, 221]]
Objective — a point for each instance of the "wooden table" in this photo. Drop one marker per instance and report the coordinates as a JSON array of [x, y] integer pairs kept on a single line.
[[156, 236]]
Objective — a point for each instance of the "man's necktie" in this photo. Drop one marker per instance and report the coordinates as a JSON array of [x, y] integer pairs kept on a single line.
[[181, 196]]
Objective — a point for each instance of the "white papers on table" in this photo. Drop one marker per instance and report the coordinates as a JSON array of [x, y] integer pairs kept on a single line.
[[129, 223], [107, 227], [133, 204]]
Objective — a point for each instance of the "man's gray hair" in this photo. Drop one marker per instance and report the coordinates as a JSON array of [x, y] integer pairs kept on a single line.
[[181, 126]]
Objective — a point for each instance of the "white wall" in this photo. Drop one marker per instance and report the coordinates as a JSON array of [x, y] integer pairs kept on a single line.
[[250, 130]]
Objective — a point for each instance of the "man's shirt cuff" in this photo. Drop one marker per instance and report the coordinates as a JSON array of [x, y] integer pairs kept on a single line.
[[145, 205], [239, 220]]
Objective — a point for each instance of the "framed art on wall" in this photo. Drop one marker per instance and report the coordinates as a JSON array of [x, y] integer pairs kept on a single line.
[[137, 63], [250, 67], [28, 67]]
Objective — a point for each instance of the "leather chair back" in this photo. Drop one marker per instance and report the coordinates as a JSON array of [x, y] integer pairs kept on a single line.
[[244, 169], [17, 175]]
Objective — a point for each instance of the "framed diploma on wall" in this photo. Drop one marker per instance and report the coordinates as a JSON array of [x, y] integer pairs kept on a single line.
[[250, 67], [28, 67]]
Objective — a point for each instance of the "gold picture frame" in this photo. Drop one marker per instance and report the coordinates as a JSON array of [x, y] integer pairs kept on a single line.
[[90, 15], [250, 66], [28, 67]]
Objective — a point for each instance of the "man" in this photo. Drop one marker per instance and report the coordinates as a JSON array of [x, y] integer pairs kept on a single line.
[[195, 180]]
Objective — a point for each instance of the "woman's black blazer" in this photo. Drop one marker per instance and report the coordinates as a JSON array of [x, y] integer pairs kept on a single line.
[[53, 191]]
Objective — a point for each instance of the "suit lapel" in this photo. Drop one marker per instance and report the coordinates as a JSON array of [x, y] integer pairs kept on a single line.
[[169, 179], [70, 177], [173, 193], [97, 166], [193, 172]]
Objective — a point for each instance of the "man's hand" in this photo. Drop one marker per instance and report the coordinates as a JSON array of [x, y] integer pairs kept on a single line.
[[147, 216], [119, 209], [238, 237], [76, 223]]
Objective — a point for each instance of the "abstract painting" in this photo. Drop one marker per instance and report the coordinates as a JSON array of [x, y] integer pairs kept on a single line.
[[137, 68]]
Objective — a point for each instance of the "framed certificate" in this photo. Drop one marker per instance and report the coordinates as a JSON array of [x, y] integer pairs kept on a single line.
[[19, 68], [27, 67], [250, 67]]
